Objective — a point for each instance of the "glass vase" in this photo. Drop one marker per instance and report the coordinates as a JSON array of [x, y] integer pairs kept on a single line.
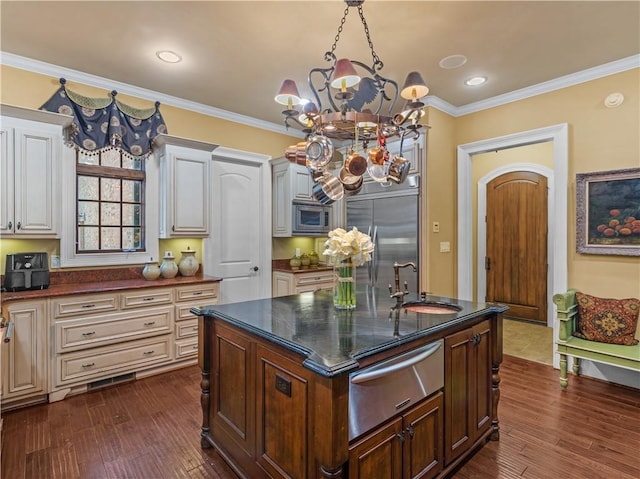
[[344, 289]]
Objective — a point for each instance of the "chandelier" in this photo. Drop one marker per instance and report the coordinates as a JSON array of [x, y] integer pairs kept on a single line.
[[358, 107]]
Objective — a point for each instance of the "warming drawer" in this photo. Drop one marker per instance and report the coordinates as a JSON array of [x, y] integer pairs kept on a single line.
[[381, 391]]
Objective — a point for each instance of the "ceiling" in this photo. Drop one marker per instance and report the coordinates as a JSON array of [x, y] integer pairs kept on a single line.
[[236, 53]]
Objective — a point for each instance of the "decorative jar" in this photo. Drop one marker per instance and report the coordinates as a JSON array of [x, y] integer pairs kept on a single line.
[[151, 270], [188, 265], [344, 289], [304, 260], [168, 268], [313, 258], [295, 262]]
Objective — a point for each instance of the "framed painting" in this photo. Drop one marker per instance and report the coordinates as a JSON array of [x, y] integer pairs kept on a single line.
[[608, 212]]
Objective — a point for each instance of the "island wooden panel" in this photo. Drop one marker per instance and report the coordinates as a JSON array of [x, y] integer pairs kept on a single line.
[[270, 416]]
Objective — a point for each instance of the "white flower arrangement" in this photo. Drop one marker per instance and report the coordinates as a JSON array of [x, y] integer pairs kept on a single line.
[[343, 245]]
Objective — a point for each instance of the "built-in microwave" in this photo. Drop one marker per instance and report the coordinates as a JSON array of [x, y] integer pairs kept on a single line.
[[310, 219]]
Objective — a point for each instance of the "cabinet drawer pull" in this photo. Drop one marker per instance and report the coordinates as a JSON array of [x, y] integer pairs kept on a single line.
[[10, 225], [195, 328], [87, 306], [150, 323], [197, 293], [150, 298], [89, 365], [88, 333], [147, 353], [195, 346], [19, 225]]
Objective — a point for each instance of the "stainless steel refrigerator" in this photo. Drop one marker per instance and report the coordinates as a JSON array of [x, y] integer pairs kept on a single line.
[[390, 217]]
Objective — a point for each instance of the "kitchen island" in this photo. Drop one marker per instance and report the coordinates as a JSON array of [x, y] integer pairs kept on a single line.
[[277, 378]]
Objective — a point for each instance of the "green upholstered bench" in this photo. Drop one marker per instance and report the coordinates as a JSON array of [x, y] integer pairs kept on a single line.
[[627, 357]]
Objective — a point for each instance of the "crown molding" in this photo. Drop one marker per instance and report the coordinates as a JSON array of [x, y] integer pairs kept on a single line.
[[572, 79], [55, 71]]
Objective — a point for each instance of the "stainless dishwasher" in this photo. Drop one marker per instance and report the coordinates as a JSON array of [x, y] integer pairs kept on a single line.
[[379, 392]]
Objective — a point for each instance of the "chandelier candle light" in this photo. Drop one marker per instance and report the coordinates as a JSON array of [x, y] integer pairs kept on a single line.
[[346, 250], [360, 111]]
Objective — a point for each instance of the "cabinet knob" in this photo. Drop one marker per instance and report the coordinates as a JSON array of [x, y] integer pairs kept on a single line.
[[19, 225], [10, 225], [255, 268]]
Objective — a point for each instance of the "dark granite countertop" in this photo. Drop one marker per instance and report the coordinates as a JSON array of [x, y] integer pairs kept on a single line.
[[103, 286], [334, 341]]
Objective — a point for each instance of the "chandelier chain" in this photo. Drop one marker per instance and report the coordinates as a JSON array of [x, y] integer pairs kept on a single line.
[[374, 55], [342, 22], [376, 59]]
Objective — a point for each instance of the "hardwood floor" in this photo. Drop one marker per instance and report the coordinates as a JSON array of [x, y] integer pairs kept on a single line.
[[149, 429]]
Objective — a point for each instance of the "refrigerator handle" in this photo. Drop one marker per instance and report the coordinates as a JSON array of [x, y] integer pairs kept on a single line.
[[374, 275], [370, 263]]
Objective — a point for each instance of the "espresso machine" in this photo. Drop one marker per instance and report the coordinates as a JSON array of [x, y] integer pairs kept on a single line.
[[26, 271]]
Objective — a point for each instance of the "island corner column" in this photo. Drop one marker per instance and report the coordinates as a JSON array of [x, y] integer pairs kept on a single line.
[[497, 355], [331, 418], [205, 330]]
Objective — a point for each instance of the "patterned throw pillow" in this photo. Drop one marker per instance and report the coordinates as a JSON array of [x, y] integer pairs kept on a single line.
[[607, 320]]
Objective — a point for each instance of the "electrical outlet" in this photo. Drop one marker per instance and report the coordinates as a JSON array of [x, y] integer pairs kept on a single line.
[[445, 247], [55, 261], [436, 227]]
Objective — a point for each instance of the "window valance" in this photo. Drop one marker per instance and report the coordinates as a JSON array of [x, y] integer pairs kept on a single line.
[[103, 123]]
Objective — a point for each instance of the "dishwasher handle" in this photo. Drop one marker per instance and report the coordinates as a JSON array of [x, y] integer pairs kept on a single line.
[[376, 372]]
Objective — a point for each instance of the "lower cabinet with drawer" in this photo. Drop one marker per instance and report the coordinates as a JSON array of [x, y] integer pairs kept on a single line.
[[186, 333], [301, 282], [111, 337], [96, 363]]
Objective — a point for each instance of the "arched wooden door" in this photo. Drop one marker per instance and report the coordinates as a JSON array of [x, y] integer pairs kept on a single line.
[[516, 262]]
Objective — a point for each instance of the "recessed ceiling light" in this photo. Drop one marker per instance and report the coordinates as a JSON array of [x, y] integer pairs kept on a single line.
[[453, 61], [168, 56], [475, 81]]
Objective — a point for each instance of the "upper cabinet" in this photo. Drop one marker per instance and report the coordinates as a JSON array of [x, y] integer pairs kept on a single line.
[[185, 169], [31, 147], [291, 182]]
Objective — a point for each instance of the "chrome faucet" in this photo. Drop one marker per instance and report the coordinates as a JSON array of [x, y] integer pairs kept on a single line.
[[398, 293]]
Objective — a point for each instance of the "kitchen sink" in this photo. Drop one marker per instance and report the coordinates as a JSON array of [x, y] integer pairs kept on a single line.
[[431, 307]]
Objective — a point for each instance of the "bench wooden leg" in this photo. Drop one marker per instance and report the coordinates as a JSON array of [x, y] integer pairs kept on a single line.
[[563, 371], [576, 366]]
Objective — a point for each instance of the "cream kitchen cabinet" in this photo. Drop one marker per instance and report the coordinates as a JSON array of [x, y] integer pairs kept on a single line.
[[285, 284], [31, 147], [186, 332], [105, 337], [73, 343], [24, 360], [185, 167], [291, 182]]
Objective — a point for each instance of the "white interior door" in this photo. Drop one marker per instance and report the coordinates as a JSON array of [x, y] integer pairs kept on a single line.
[[239, 247]]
